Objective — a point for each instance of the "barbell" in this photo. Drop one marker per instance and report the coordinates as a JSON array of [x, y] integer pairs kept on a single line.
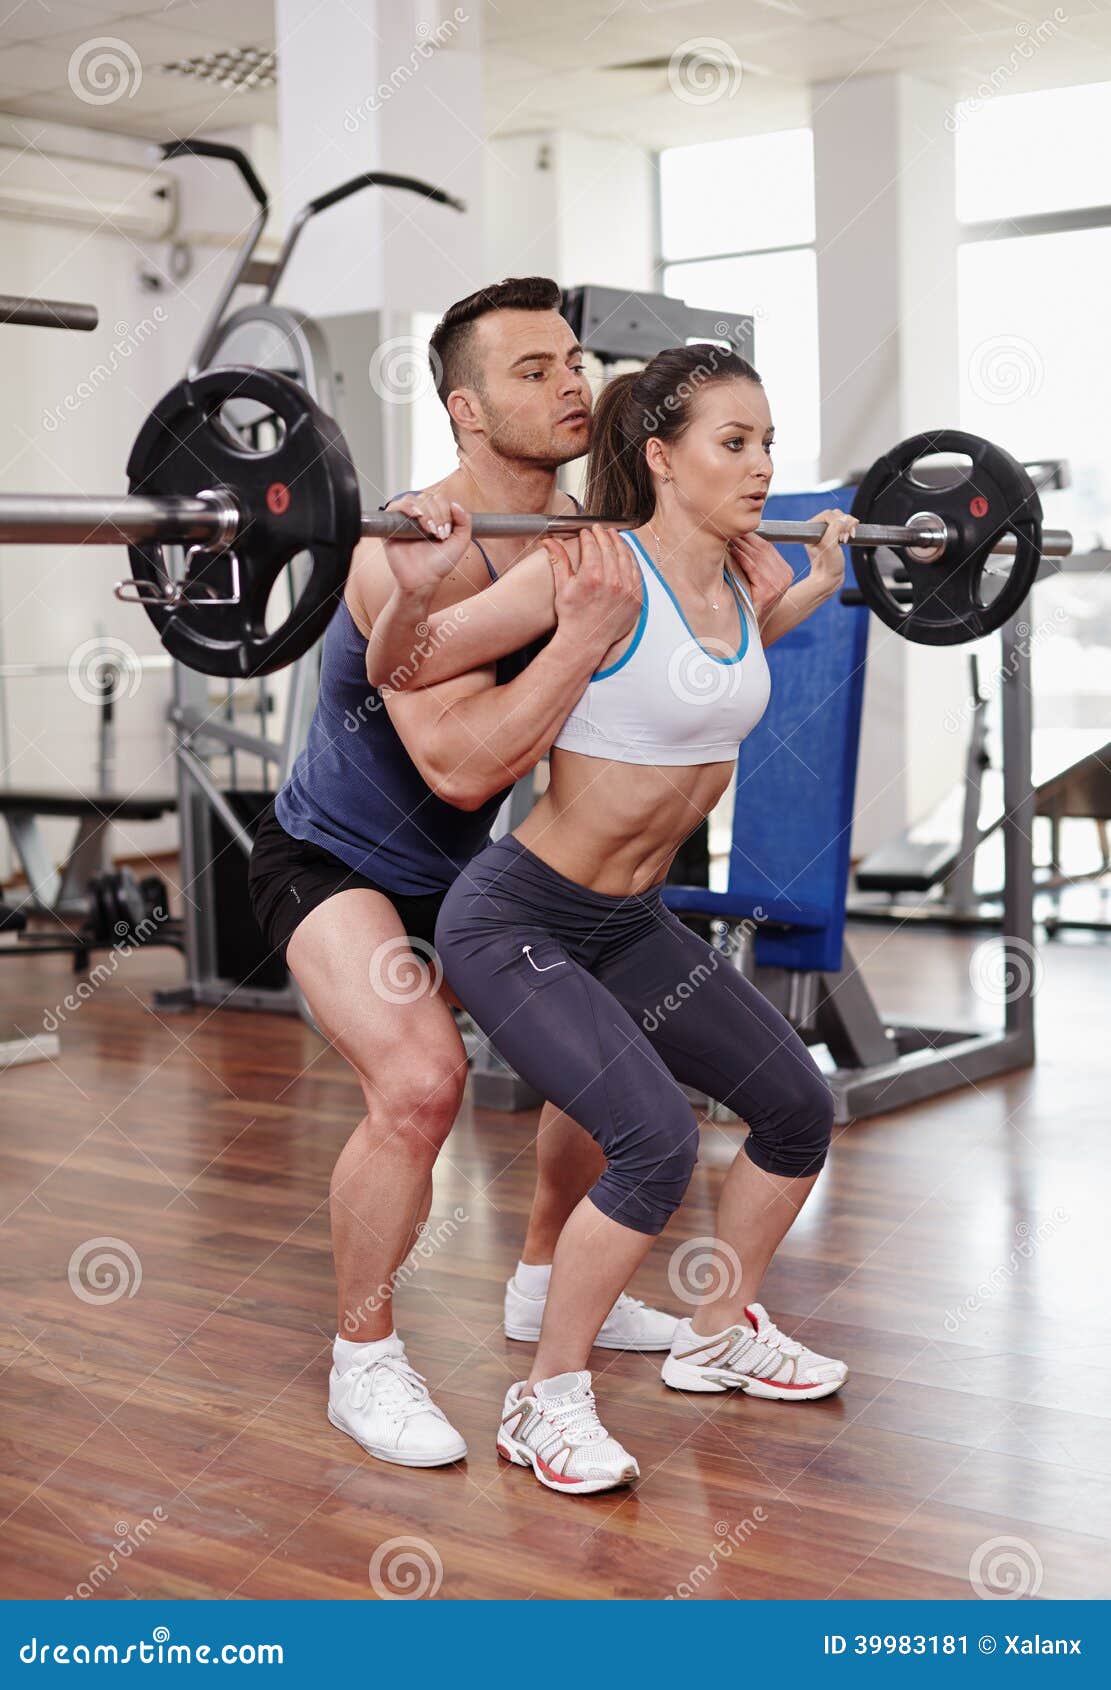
[[243, 514]]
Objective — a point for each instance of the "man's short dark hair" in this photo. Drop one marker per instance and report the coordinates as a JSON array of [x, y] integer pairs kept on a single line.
[[451, 348]]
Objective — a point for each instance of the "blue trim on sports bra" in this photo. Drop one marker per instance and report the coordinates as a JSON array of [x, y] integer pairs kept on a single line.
[[741, 649], [642, 620]]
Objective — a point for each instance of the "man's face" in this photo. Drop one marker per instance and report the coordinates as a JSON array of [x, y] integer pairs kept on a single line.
[[534, 401]]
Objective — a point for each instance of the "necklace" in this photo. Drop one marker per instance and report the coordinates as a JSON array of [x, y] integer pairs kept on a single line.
[[714, 605]]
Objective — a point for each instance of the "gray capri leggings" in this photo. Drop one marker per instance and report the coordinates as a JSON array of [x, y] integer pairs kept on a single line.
[[608, 1005]]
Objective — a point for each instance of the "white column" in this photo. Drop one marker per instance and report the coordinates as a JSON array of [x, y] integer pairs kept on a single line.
[[887, 312], [382, 85]]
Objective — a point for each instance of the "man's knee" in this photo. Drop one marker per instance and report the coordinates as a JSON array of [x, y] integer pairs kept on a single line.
[[792, 1138], [415, 1105]]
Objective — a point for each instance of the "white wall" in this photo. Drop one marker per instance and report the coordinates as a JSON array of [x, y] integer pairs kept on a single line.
[[579, 208]]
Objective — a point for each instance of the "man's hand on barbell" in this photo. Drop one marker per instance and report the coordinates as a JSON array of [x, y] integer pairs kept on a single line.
[[418, 566]]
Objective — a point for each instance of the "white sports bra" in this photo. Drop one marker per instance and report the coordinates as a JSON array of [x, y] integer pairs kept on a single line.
[[668, 699]]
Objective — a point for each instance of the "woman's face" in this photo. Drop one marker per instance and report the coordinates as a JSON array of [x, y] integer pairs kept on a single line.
[[721, 467]]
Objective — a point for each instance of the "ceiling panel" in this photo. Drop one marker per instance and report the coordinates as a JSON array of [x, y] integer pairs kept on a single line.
[[548, 65]]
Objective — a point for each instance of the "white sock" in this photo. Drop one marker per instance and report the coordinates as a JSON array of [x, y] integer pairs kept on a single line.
[[344, 1352], [531, 1280]]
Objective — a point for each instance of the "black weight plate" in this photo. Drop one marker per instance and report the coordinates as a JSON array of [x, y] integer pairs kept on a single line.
[[300, 494], [994, 497]]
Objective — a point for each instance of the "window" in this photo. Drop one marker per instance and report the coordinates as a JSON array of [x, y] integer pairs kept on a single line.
[[1035, 348], [737, 228], [737, 196], [1034, 192], [1027, 153], [780, 290]]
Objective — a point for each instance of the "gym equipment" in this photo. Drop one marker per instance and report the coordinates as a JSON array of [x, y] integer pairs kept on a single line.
[[62, 891], [228, 769], [124, 910], [994, 503], [926, 854], [198, 479], [792, 825], [302, 495], [47, 313]]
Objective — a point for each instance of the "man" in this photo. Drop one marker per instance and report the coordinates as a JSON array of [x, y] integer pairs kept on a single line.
[[391, 797]]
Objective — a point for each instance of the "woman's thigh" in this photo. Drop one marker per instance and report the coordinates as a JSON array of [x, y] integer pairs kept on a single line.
[[558, 1026], [714, 1029]]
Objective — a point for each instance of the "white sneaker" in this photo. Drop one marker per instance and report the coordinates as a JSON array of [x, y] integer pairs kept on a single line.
[[764, 1363], [630, 1324], [557, 1433], [385, 1406]]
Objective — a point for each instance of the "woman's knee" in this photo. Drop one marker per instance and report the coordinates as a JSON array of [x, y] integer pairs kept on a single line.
[[648, 1174], [792, 1137]]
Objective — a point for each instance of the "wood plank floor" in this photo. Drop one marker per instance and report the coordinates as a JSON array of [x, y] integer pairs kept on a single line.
[[172, 1442]]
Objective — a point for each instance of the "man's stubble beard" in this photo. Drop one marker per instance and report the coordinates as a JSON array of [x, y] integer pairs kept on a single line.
[[518, 445]]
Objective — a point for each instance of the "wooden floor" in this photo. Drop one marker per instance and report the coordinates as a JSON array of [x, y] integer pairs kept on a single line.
[[173, 1442]]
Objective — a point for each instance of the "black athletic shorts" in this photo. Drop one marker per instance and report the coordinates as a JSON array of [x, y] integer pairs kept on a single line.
[[287, 877]]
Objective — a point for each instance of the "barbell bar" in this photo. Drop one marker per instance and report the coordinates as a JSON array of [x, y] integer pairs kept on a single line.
[[243, 507], [213, 519], [47, 313]]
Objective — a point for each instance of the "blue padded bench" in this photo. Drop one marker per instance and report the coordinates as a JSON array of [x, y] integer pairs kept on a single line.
[[796, 780]]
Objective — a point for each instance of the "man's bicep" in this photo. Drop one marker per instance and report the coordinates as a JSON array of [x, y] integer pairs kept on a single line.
[[418, 715], [372, 583]]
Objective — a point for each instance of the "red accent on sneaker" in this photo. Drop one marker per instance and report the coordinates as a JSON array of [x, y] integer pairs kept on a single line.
[[557, 1478]]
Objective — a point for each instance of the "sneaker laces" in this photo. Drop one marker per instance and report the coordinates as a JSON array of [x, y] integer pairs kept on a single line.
[[779, 1341], [627, 1304], [578, 1421], [394, 1385]]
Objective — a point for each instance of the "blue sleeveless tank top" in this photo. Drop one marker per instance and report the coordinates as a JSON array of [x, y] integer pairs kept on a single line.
[[355, 791]]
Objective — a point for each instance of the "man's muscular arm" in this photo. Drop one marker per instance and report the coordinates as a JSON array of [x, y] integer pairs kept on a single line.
[[412, 644], [592, 606], [470, 738]]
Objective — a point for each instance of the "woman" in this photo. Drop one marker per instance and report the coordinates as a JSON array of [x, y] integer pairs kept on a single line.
[[556, 938]]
